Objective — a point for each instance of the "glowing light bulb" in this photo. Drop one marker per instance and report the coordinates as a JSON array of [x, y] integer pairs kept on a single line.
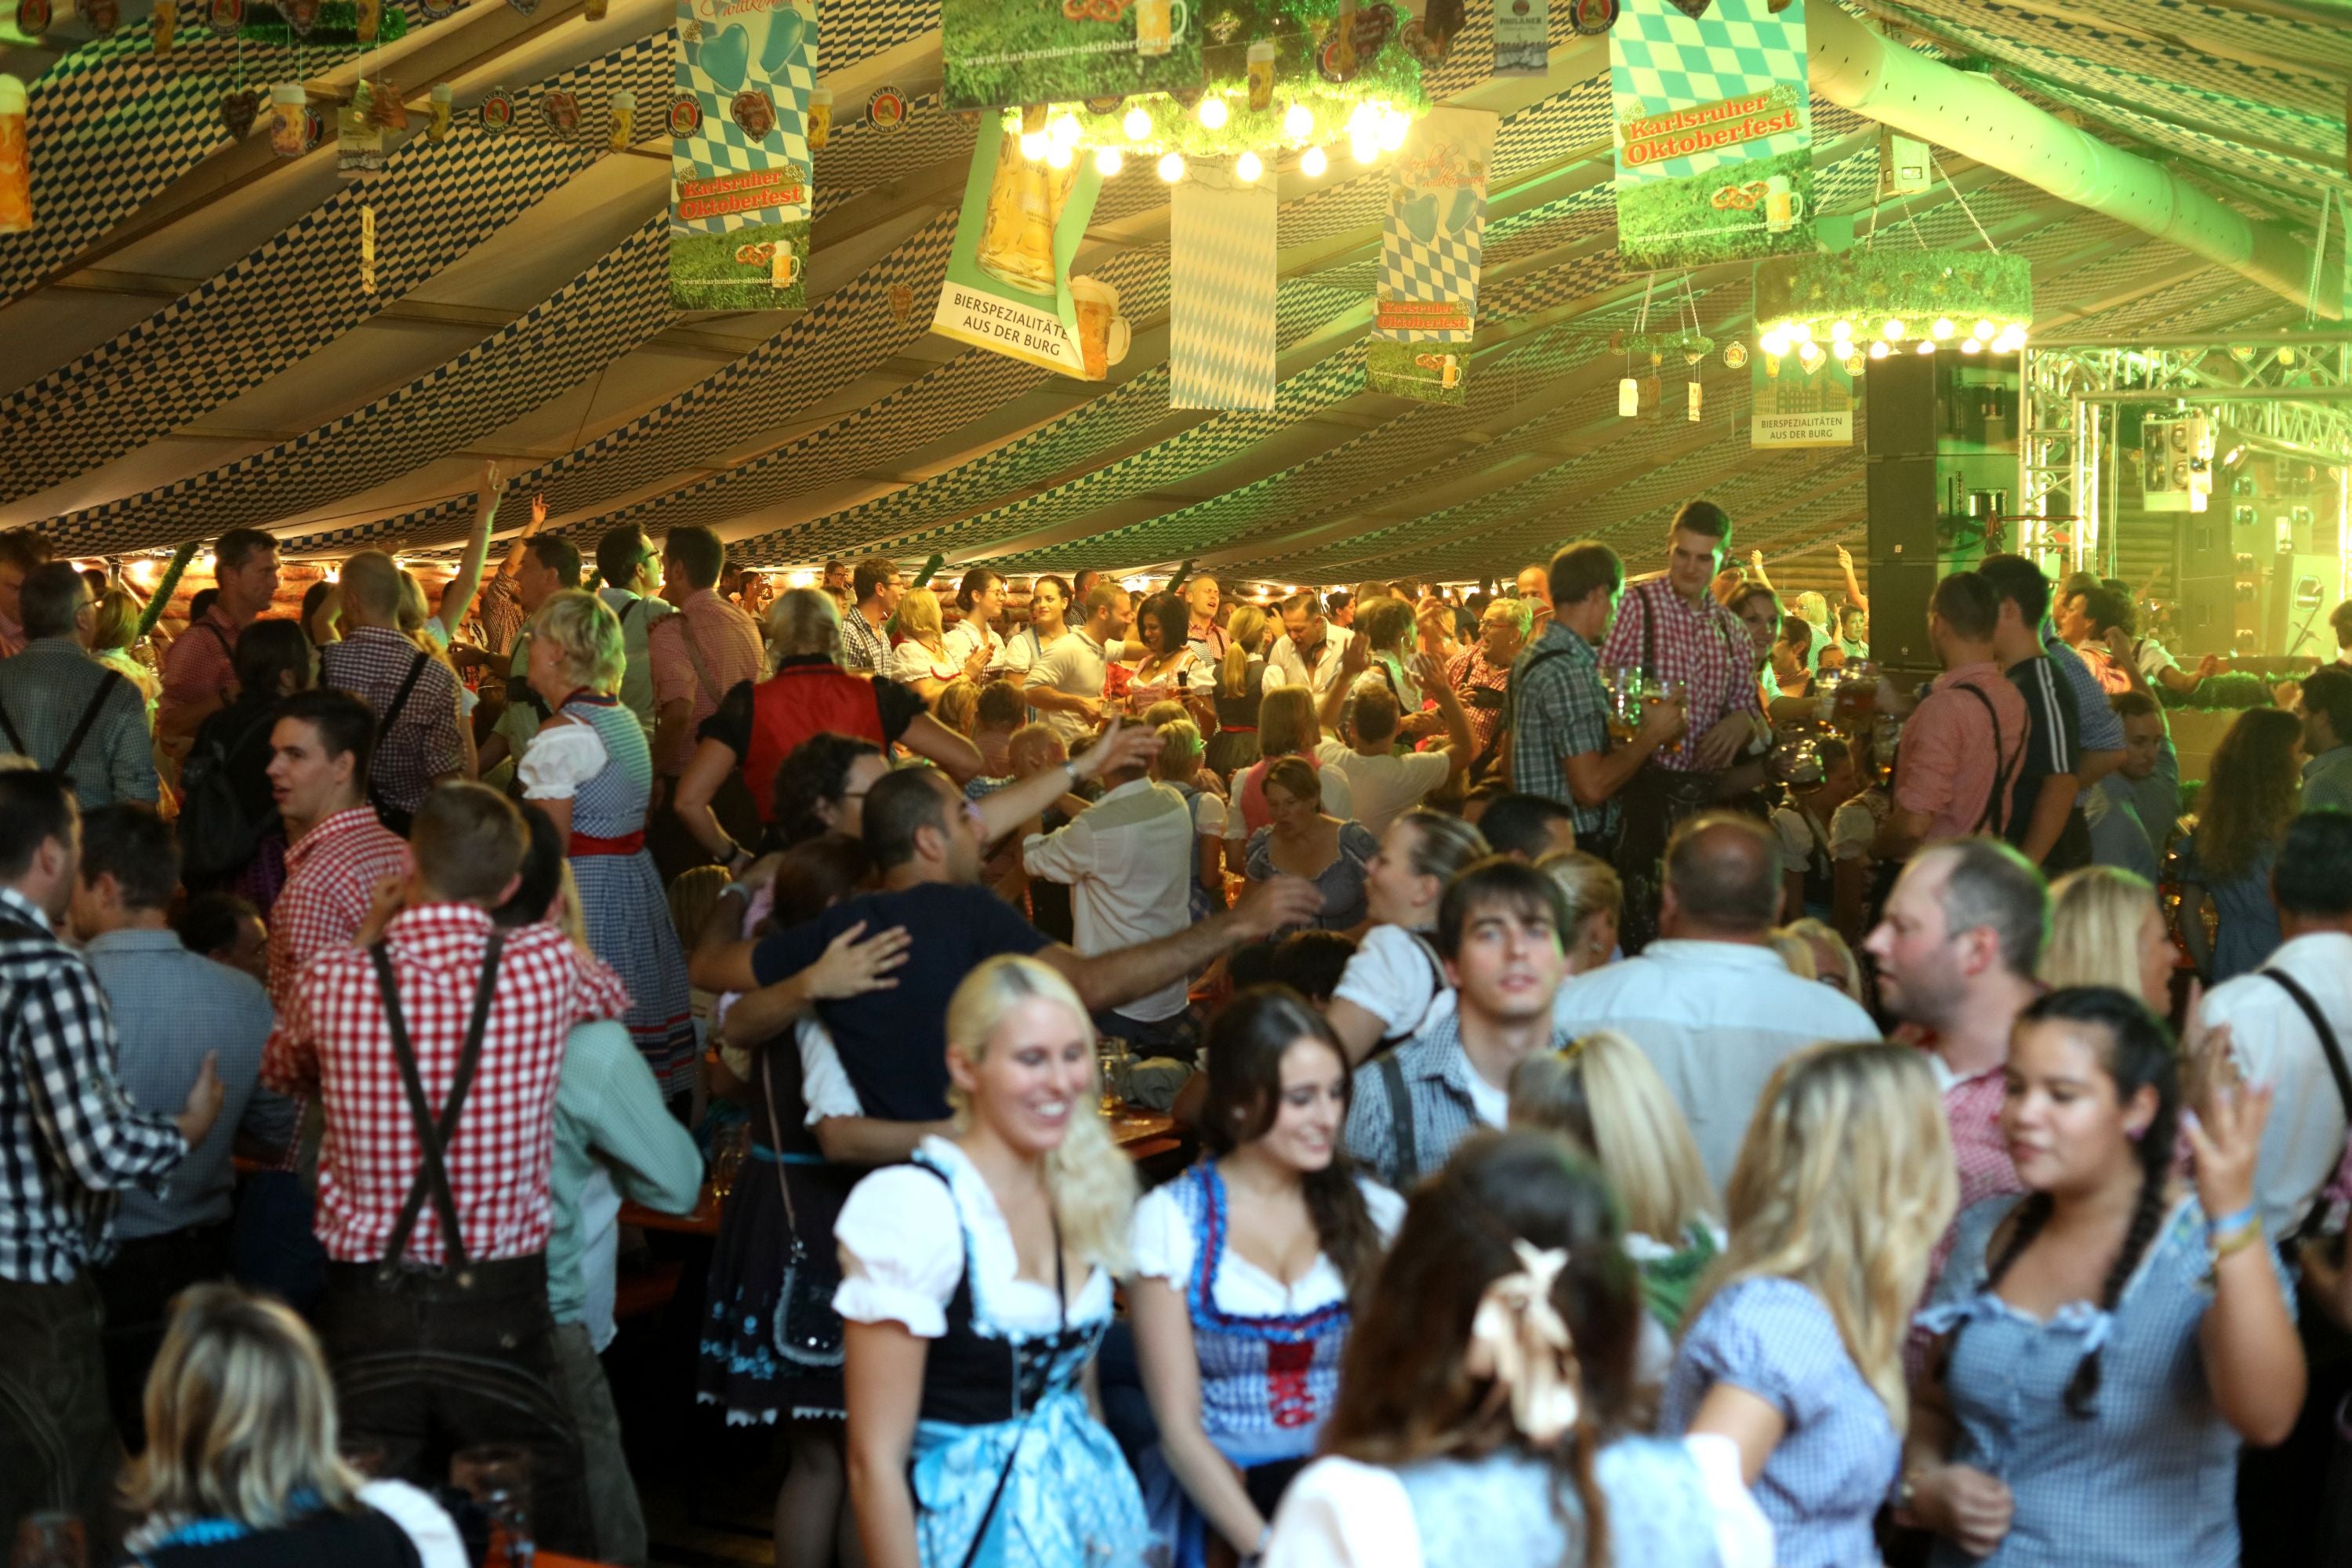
[[1032, 144], [1926, 345], [1393, 129], [1137, 124], [1213, 113], [1297, 122], [1171, 166], [1057, 156], [1893, 330], [1363, 149], [1312, 162], [1841, 331], [1943, 328], [1801, 332], [1984, 330], [1064, 128], [1878, 351], [1774, 342], [1246, 168], [1107, 161], [1971, 345], [1809, 353]]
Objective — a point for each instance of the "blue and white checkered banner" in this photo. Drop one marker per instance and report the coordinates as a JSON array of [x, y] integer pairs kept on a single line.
[[1221, 293], [299, 290], [566, 339], [740, 157], [1714, 132], [1425, 306]]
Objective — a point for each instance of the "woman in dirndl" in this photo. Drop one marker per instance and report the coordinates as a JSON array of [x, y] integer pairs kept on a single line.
[[1241, 679], [592, 771], [976, 1287], [1246, 1273]]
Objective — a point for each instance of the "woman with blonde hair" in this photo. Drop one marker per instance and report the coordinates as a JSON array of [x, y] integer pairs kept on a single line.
[[924, 660], [2107, 929], [1489, 1389], [117, 615], [1394, 978], [591, 770], [1823, 955], [1596, 903], [240, 1466], [1242, 678], [1794, 1347], [1602, 1095], [2251, 794], [1286, 727], [1176, 765], [976, 1285]]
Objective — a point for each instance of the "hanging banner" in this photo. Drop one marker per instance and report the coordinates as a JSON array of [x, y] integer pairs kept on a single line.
[[1002, 53], [1425, 303], [739, 231], [1008, 280], [1221, 293], [1793, 406], [1714, 132], [1522, 36]]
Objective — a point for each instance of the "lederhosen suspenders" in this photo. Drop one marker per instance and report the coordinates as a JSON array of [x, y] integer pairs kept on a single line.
[[2330, 1047], [432, 1136]]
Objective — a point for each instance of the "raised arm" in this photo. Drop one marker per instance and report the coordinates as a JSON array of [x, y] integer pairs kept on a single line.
[[1108, 979], [458, 596], [1853, 592], [2253, 1362], [1121, 745]]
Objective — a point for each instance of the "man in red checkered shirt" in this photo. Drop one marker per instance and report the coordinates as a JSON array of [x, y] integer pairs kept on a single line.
[[199, 667], [1672, 628], [337, 853], [1957, 947], [436, 1315]]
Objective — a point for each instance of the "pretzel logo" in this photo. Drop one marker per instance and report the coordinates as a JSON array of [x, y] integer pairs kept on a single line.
[[1094, 10], [1740, 198]]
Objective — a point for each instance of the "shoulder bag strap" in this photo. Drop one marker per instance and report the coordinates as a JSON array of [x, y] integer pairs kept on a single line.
[[1437, 989], [89, 716], [2334, 1051], [400, 698], [8, 727], [634, 605], [776, 1131], [1994, 819], [1400, 1132], [694, 657], [432, 1137], [1648, 636], [219, 637]]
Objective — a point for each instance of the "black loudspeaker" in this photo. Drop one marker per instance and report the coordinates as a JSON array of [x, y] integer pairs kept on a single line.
[[1899, 394], [1899, 469]]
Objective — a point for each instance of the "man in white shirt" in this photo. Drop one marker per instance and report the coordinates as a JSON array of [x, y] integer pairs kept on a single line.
[[631, 568], [1065, 684], [1710, 1005], [1386, 782], [1202, 634], [1127, 860], [2273, 1038], [1310, 652]]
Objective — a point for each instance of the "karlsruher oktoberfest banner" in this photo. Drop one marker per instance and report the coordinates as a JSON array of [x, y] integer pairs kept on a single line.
[[1000, 53], [1008, 284], [1221, 293], [1425, 302], [1714, 132], [738, 230]]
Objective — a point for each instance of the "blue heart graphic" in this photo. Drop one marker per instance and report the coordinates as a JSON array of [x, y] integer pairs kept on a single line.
[[786, 27], [1419, 216], [725, 58], [1464, 207]]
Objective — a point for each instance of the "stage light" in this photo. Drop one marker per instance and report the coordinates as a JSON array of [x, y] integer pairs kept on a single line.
[[1058, 155], [1878, 351], [1775, 342], [1971, 345], [1032, 144], [1984, 332], [1893, 330], [1926, 345]]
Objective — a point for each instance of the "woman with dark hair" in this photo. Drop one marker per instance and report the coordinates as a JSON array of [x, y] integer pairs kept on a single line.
[[322, 608], [1170, 669], [273, 660], [821, 788], [1049, 602], [2250, 796], [2112, 1335], [982, 599], [1304, 841], [1488, 1392], [1246, 1268]]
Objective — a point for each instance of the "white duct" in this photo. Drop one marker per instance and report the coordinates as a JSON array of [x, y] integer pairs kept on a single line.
[[1856, 68]]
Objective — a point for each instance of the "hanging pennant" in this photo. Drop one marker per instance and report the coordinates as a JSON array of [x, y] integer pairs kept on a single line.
[[15, 159], [623, 108], [1008, 286], [1697, 396], [1629, 398], [436, 129], [1714, 132], [1427, 291], [163, 22], [1220, 292], [367, 251], [386, 107], [1814, 409], [359, 140], [1522, 37], [33, 18], [222, 17], [998, 53], [741, 203]]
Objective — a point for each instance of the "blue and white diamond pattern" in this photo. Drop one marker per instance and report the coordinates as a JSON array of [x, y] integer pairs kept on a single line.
[[1446, 268], [718, 145], [1660, 59], [1221, 297]]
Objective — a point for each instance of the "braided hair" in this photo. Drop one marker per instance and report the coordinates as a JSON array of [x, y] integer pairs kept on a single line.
[[2139, 1055]]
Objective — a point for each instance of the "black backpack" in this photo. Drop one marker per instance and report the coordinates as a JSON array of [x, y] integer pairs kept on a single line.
[[219, 830]]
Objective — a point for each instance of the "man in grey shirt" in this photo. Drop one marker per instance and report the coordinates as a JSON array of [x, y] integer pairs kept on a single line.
[[64, 710], [2131, 811], [173, 1009]]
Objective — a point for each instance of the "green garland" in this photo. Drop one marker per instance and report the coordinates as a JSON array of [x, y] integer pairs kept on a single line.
[[1391, 76], [337, 27], [162, 597], [1869, 287]]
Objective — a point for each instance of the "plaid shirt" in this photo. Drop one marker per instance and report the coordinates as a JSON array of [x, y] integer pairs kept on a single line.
[[1559, 710], [1469, 673], [198, 664], [1703, 646], [423, 744], [68, 1137], [1436, 1075], [500, 613], [331, 873], [335, 1037], [728, 642], [863, 646]]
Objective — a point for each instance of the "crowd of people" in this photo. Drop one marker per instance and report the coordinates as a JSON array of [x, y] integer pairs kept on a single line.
[[1664, 1089]]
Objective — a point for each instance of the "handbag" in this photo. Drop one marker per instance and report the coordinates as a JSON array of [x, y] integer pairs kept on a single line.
[[807, 1331]]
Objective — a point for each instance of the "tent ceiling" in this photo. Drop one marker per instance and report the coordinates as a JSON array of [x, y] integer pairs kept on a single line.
[[190, 349]]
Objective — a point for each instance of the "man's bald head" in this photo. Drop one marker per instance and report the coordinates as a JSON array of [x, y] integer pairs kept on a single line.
[[1723, 878]]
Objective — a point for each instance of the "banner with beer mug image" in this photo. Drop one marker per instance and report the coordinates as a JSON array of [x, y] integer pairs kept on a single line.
[[739, 233], [1425, 296], [1713, 130], [1002, 53], [1008, 285]]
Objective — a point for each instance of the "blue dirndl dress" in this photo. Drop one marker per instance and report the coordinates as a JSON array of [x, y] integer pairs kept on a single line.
[[621, 898], [1009, 1467], [1267, 1382]]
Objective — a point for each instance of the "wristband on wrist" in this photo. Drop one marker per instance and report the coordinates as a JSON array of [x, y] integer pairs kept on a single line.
[[1071, 768], [2215, 1228], [2238, 1239]]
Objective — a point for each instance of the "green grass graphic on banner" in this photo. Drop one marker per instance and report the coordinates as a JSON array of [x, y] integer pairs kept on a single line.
[[1000, 53]]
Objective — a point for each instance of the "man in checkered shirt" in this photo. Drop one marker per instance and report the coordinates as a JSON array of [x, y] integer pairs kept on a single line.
[[1672, 628], [420, 743], [437, 1337], [69, 1141], [1957, 947]]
